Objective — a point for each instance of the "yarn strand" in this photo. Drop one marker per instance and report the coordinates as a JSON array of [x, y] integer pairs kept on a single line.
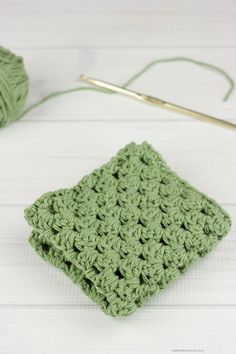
[[14, 84], [56, 94], [135, 77], [189, 60]]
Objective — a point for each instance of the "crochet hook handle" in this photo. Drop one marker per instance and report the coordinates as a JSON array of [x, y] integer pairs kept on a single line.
[[158, 102]]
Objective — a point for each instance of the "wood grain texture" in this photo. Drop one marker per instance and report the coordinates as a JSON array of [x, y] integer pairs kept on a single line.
[[153, 330], [60, 23], [37, 158], [41, 311]]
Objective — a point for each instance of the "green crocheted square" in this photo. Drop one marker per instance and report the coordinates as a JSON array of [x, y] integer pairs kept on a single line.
[[126, 230]]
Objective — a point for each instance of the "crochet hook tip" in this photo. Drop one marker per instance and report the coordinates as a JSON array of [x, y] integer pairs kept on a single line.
[[88, 79], [83, 77]]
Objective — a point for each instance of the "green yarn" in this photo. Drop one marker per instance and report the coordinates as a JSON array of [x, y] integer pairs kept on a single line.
[[127, 230], [188, 60], [14, 84]]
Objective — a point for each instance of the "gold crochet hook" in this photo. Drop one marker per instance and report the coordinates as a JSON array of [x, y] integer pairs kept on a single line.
[[158, 102]]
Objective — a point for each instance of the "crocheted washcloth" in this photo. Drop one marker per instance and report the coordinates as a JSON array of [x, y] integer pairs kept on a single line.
[[126, 230]]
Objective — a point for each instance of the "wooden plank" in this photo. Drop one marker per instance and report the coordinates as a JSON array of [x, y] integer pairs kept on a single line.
[[179, 82], [26, 279], [88, 330], [41, 311], [118, 24], [36, 158]]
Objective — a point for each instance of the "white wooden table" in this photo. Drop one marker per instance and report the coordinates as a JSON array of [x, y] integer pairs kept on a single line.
[[41, 311]]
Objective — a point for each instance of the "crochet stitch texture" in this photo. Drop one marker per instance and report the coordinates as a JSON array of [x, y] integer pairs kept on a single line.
[[126, 230]]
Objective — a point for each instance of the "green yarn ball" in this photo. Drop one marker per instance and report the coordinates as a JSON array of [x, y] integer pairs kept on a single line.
[[14, 85]]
